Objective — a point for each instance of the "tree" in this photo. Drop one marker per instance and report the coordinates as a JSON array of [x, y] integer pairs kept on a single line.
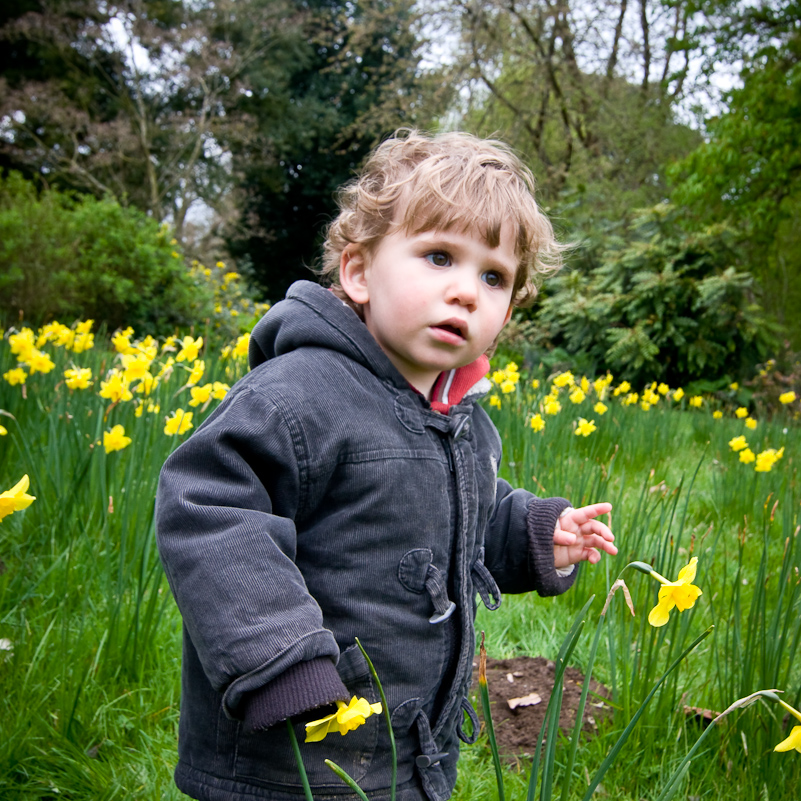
[[586, 91], [358, 79], [748, 172], [146, 106]]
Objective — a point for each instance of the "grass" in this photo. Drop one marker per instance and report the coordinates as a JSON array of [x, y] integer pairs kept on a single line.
[[90, 671]]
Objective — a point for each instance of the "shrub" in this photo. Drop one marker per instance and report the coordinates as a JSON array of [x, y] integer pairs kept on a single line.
[[65, 257], [661, 304]]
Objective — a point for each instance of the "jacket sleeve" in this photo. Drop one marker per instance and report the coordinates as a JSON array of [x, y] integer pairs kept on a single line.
[[519, 542], [225, 511]]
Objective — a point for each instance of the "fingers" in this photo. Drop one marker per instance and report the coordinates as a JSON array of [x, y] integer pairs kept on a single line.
[[585, 513]]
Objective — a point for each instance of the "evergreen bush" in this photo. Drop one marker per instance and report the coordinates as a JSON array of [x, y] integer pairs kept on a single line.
[[661, 304]]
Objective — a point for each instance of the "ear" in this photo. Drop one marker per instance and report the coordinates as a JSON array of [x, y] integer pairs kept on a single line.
[[353, 274]]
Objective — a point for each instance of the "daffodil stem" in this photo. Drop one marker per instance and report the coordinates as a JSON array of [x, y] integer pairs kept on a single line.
[[347, 779], [673, 782], [387, 717], [299, 759], [483, 692]]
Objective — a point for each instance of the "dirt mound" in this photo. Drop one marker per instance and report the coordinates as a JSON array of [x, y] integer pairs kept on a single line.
[[514, 687]]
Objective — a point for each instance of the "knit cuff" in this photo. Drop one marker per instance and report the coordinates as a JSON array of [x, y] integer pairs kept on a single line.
[[543, 515], [302, 687]]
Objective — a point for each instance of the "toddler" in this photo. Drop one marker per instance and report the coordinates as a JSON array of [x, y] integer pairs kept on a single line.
[[347, 487]]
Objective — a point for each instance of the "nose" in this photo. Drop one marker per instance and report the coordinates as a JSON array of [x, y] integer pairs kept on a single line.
[[463, 289]]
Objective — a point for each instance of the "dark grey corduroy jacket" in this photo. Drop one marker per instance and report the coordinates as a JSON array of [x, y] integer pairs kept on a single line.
[[325, 500]]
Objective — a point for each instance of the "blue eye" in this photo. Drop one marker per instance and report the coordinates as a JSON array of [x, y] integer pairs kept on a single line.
[[439, 259]]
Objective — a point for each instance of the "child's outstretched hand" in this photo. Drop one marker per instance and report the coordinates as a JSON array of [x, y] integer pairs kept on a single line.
[[580, 536]]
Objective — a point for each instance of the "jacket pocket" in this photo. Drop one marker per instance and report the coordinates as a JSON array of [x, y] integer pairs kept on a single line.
[[266, 758]]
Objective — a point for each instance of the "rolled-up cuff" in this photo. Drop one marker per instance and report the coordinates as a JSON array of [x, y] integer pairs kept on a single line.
[[541, 520], [304, 686]]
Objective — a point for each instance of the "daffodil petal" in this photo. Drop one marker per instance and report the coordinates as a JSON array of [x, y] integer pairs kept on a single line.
[[659, 615], [687, 573], [316, 730], [686, 596], [793, 741]]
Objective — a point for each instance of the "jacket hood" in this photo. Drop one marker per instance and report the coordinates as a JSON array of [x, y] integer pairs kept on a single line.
[[312, 316]]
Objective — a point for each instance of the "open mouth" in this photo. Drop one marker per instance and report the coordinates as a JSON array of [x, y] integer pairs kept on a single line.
[[452, 327]]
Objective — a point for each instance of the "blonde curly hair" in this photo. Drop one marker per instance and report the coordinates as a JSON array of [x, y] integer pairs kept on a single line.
[[417, 182]]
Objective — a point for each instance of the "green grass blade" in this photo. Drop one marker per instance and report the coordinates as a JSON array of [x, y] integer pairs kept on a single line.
[[483, 692], [637, 715]]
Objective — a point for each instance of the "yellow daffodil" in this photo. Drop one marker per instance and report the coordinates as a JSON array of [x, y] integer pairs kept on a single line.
[[83, 342], [741, 412], [228, 277], [200, 394], [78, 377], [787, 397], [663, 389], [794, 740], [115, 440], [147, 384], [507, 386], [750, 423], [622, 388], [697, 401], [766, 459], [577, 395], [219, 390], [3, 431], [584, 428], [16, 499], [734, 386], [122, 340], [39, 362], [495, 401], [240, 350], [178, 423], [678, 394], [747, 456], [198, 368], [537, 423], [15, 376], [631, 398], [681, 593], [135, 366], [717, 414], [564, 380], [116, 388], [22, 344], [347, 718], [738, 443], [645, 406], [600, 408], [189, 349], [535, 383], [552, 406]]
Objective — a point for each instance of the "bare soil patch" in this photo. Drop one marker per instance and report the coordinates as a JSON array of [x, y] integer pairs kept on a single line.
[[520, 681]]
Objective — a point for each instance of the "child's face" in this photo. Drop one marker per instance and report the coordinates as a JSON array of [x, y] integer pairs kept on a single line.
[[434, 300]]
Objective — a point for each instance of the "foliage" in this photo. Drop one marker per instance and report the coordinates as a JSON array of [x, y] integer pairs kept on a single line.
[[748, 172], [141, 99], [81, 257], [357, 79], [662, 304]]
